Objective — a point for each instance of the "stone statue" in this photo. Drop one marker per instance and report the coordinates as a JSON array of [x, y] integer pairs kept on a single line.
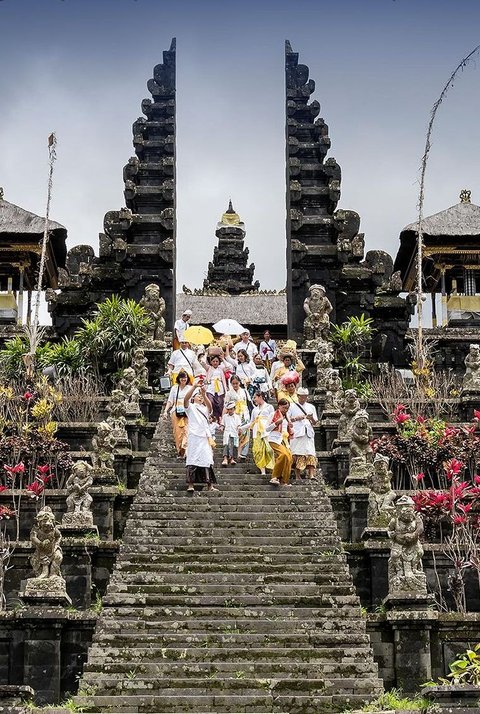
[[45, 537], [323, 361], [128, 385], [139, 364], [349, 406], [471, 379], [317, 321], [79, 500], [154, 304], [382, 497], [333, 385], [117, 409], [405, 570], [360, 449], [103, 449]]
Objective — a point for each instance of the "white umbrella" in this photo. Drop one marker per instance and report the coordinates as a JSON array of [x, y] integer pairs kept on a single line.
[[228, 327]]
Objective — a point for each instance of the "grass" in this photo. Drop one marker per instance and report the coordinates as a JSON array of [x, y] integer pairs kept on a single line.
[[394, 699]]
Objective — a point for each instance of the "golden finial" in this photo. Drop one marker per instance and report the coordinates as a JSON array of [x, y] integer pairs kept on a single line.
[[465, 195], [230, 217]]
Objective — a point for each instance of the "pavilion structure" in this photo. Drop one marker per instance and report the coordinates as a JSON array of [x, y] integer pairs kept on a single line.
[[451, 262], [21, 234]]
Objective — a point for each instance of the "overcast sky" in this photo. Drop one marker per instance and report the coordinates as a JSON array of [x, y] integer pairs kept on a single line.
[[80, 67]]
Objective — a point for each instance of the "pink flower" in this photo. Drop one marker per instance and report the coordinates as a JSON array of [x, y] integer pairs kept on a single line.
[[420, 476], [27, 396], [465, 507], [13, 470], [6, 512], [401, 418], [476, 414], [43, 469], [476, 479], [3, 488], [420, 420], [458, 520]]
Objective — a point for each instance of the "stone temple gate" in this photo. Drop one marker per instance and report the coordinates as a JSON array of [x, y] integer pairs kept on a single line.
[[323, 243]]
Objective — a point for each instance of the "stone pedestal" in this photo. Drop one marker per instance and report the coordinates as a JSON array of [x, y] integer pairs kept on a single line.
[[458, 699], [46, 591], [341, 456], [358, 499], [104, 475], [359, 472], [375, 533], [411, 628]]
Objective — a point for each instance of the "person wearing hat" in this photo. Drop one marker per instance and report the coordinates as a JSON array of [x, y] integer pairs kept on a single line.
[[290, 362], [246, 343], [231, 423], [179, 328], [303, 417]]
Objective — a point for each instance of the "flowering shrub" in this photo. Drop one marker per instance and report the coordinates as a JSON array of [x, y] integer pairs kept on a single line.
[[421, 447]]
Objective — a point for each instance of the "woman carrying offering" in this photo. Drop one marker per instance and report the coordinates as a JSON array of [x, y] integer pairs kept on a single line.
[[199, 455], [279, 432], [175, 406], [216, 383], [260, 418]]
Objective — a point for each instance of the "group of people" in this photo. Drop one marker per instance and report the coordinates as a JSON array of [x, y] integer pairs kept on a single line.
[[232, 387]]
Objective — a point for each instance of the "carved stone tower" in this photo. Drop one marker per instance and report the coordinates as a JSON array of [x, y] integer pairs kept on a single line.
[[229, 271], [138, 243]]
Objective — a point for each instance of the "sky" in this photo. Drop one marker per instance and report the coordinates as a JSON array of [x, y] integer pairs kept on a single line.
[[80, 67]]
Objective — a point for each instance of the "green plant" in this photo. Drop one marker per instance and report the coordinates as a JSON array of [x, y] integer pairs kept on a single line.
[[97, 604], [350, 341], [114, 332], [464, 670], [66, 356], [394, 699]]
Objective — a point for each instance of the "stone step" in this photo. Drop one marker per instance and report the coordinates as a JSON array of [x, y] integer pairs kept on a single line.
[[253, 686], [121, 639], [224, 704], [243, 510], [339, 605], [166, 520], [96, 671], [219, 570], [212, 529], [326, 582], [222, 538], [330, 560], [342, 595], [100, 653], [322, 634]]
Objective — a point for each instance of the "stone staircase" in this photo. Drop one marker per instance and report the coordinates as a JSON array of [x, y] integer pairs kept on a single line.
[[228, 602]]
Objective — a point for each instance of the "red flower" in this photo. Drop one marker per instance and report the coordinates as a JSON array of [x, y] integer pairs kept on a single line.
[[465, 507], [13, 470], [420, 420], [476, 414], [6, 512], [27, 396], [401, 418], [3, 488], [420, 476], [43, 469], [459, 520], [476, 479]]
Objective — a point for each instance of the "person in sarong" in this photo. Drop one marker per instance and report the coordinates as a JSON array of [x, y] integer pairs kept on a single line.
[[216, 383], [231, 423], [267, 349], [183, 360], [179, 328], [260, 418], [279, 431], [303, 417], [290, 363], [238, 395], [199, 455], [261, 378], [175, 406]]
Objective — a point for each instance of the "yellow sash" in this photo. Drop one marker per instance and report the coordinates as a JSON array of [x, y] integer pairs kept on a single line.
[[240, 406]]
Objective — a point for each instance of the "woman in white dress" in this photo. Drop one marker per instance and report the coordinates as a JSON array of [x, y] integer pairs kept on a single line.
[[199, 457], [238, 395], [261, 417]]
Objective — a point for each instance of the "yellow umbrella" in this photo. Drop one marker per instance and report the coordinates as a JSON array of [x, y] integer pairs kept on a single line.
[[198, 335]]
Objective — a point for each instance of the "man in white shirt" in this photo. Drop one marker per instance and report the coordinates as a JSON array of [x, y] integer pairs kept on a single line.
[[247, 344], [303, 417], [179, 328], [183, 360]]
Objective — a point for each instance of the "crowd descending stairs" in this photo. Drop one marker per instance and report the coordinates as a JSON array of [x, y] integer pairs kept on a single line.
[[237, 601]]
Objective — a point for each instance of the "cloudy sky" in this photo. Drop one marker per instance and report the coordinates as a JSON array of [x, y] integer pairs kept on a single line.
[[79, 68]]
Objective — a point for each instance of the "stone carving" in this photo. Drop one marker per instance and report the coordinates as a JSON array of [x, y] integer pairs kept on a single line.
[[117, 409], [317, 309], [350, 242], [79, 500], [48, 583], [154, 304], [103, 444], [323, 361], [471, 379], [139, 364], [128, 385], [349, 406], [405, 570], [334, 395], [360, 449], [382, 497]]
